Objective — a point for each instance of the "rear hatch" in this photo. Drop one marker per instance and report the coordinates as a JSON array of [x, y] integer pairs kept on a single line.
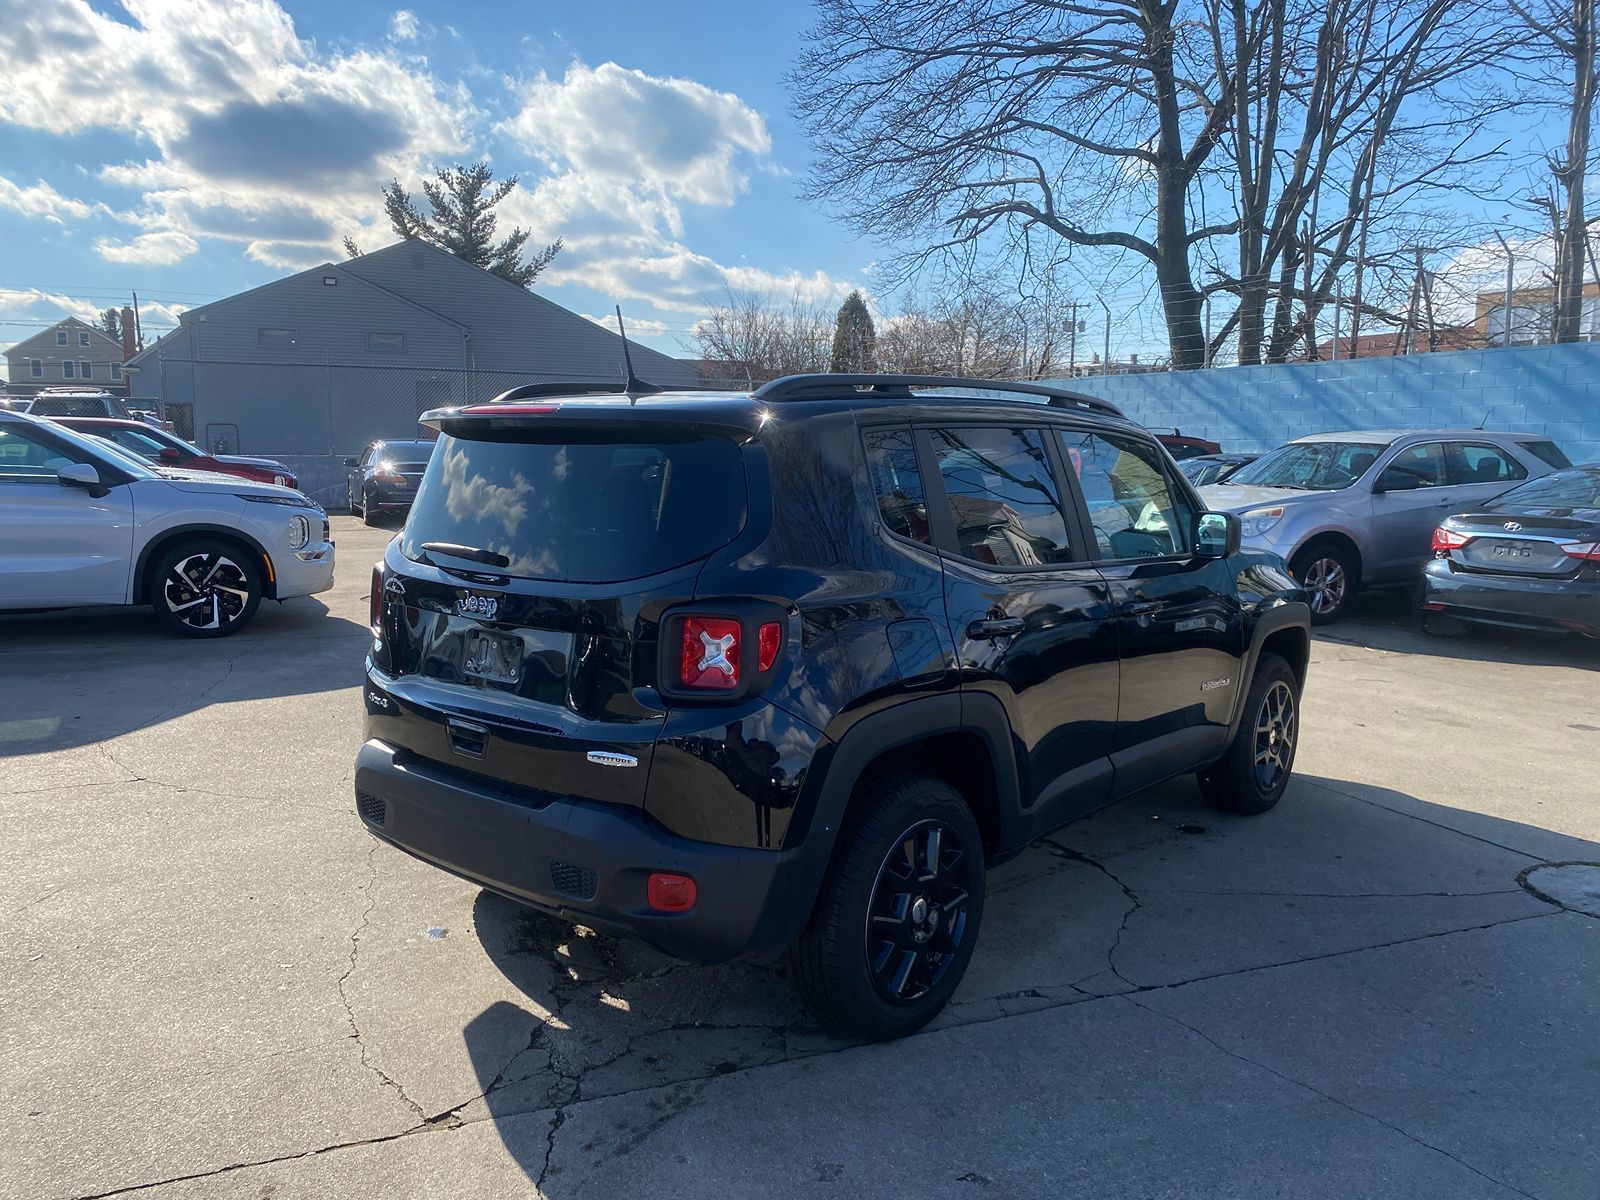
[[522, 599]]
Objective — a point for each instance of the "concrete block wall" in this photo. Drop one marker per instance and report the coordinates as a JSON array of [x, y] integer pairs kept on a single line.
[[1552, 390]]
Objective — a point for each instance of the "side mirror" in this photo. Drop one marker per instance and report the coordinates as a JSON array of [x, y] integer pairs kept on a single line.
[[84, 476], [1216, 535], [1395, 481], [349, 462], [170, 454]]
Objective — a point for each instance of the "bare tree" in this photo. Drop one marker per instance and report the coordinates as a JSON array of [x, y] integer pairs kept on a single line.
[[753, 339], [1566, 32]]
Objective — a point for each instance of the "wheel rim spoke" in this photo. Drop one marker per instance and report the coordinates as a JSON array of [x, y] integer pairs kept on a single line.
[[917, 912]]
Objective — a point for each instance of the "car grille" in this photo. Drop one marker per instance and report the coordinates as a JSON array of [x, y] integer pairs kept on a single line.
[[372, 808], [572, 880]]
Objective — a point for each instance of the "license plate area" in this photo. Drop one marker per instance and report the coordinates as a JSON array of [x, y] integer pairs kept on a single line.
[[496, 657]]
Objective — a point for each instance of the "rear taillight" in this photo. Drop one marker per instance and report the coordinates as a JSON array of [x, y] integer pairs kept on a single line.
[[670, 893], [388, 477], [1446, 540], [375, 600], [768, 642], [1583, 551], [709, 653]]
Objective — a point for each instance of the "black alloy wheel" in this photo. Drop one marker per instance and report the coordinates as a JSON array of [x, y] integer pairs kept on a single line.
[[1252, 775], [917, 917]]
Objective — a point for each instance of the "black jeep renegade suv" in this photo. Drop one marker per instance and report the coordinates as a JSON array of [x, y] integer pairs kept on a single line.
[[731, 672]]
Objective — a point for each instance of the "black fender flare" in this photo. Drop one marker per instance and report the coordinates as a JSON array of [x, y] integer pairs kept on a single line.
[[269, 577], [833, 778], [1285, 614]]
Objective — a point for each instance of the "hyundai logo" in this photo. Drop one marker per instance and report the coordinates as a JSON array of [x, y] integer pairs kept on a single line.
[[1512, 526]]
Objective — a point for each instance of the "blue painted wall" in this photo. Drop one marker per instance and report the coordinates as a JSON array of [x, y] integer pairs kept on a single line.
[[1553, 390]]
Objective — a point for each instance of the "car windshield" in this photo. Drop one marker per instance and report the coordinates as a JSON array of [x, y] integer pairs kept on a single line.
[[403, 452], [1577, 487], [104, 450], [1313, 466]]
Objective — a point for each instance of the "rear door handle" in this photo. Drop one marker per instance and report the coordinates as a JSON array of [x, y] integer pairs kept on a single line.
[[995, 627]]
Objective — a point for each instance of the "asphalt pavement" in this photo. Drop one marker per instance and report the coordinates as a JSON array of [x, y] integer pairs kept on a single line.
[[214, 983]]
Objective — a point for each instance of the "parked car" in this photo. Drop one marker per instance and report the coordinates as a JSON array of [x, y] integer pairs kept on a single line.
[[384, 478], [1352, 510], [168, 449], [796, 667], [1528, 559], [84, 523], [75, 402], [1181, 445], [1213, 468]]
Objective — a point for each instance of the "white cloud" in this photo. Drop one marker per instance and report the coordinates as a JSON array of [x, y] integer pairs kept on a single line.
[[403, 25], [153, 249], [291, 256], [241, 116], [635, 325], [672, 136], [39, 199]]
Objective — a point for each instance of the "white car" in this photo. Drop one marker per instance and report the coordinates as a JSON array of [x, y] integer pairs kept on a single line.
[[84, 523]]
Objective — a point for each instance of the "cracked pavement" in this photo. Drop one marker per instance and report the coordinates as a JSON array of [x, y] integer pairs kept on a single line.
[[213, 983]]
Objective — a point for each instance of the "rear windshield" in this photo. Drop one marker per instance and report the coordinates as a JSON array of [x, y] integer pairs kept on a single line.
[[1574, 488], [581, 509]]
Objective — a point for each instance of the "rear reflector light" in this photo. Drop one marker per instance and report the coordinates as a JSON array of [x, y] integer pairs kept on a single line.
[[710, 654], [375, 600], [514, 410], [1446, 540], [671, 893], [767, 643], [1585, 551]]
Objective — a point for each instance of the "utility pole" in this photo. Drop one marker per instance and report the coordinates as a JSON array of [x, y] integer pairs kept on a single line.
[[1505, 312], [1105, 363], [1072, 341], [1205, 350], [1338, 303]]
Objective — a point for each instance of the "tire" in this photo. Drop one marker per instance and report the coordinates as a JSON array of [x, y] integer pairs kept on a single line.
[[1240, 781], [1330, 576], [205, 588], [893, 978], [368, 517], [350, 500]]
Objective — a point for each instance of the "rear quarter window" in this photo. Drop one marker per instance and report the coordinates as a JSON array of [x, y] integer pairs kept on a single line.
[[581, 509], [1548, 452]]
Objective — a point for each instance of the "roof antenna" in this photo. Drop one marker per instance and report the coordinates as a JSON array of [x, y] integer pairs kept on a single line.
[[631, 383], [1486, 413]]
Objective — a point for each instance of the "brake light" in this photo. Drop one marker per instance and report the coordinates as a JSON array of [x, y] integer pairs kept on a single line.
[[388, 477], [670, 893], [768, 641], [515, 410], [1583, 551], [375, 600], [1446, 540], [709, 658]]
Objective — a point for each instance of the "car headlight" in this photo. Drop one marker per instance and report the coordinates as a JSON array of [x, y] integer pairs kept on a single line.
[[299, 532], [1258, 520]]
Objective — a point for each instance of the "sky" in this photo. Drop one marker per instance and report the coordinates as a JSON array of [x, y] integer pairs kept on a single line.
[[190, 149]]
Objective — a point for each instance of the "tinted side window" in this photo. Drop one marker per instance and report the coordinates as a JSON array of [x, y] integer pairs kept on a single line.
[[1425, 463], [1479, 462], [1548, 452], [1003, 497], [897, 482], [1131, 503], [23, 455]]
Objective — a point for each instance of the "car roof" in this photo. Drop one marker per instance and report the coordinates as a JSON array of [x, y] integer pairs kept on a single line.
[[111, 422], [1385, 437]]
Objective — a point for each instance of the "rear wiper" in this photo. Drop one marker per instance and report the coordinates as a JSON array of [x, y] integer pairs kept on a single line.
[[489, 558]]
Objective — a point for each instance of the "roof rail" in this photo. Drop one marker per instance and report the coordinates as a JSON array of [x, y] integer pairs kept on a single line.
[[836, 386]]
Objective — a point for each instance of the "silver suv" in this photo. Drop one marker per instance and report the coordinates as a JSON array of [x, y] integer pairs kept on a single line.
[[1347, 510], [84, 522]]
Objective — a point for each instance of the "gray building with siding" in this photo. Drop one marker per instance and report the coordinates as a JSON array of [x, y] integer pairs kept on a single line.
[[327, 360]]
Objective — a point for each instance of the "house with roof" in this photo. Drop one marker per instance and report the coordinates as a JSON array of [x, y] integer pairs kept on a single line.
[[325, 361], [71, 353]]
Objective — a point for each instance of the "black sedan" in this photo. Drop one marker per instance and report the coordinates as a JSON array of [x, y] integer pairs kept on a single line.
[[1528, 559], [384, 479], [1213, 468]]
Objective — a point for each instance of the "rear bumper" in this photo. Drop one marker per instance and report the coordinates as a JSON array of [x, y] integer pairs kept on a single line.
[[1546, 605], [584, 861]]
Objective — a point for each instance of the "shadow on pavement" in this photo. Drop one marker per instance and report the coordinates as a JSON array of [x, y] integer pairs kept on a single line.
[[76, 677], [1383, 620], [1155, 893]]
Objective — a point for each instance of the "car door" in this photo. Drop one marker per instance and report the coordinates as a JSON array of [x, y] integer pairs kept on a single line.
[[1180, 626], [1030, 616], [1480, 471], [58, 544], [1411, 494]]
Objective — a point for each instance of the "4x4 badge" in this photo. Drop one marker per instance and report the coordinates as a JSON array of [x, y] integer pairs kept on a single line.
[[478, 606]]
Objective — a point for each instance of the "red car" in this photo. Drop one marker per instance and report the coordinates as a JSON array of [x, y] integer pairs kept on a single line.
[[169, 450], [1182, 445]]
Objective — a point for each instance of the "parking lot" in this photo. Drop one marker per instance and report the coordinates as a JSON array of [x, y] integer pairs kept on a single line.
[[215, 983]]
